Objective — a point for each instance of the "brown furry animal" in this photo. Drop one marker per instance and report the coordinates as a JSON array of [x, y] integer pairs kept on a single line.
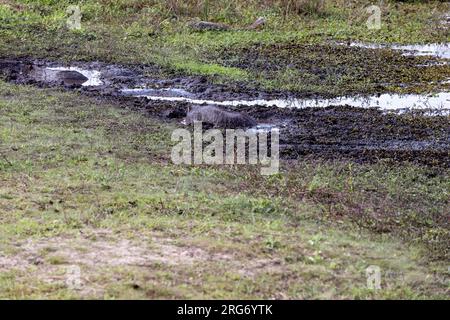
[[219, 118]]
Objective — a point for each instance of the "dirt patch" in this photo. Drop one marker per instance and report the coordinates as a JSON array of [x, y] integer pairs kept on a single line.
[[102, 249], [342, 132], [364, 135], [97, 252], [117, 77]]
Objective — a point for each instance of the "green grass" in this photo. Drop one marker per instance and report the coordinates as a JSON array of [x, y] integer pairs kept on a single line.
[[83, 180], [210, 69]]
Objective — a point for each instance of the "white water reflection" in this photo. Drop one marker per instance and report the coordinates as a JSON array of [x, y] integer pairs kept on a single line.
[[263, 128], [438, 50], [92, 75], [162, 92], [390, 102]]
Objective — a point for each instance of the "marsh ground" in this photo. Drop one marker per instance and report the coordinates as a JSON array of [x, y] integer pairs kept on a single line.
[[87, 181]]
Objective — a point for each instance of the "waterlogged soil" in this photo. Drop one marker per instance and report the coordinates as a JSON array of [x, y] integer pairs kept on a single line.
[[332, 132], [335, 70]]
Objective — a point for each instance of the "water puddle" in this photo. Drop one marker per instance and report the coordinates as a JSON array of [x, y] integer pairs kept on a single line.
[[159, 92], [438, 50], [265, 128], [439, 102]]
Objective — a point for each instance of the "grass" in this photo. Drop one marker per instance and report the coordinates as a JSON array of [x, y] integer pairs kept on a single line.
[[148, 32], [89, 183], [81, 178]]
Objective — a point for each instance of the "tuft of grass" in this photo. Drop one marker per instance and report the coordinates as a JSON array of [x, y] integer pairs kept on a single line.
[[302, 7]]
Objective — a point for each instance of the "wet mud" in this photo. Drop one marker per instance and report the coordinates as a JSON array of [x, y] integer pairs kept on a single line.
[[341, 69], [332, 132]]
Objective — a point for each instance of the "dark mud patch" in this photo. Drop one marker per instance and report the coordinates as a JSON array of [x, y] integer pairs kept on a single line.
[[334, 132], [364, 135], [116, 77], [76, 75], [337, 132]]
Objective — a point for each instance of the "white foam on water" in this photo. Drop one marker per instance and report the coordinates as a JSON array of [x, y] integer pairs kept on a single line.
[[439, 50], [169, 92], [92, 75], [390, 102]]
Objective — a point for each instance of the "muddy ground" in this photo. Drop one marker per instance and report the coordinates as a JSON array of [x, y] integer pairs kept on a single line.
[[335, 132], [337, 69]]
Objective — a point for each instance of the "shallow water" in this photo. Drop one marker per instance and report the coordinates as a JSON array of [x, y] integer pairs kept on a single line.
[[390, 102], [160, 92], [438, 50]]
